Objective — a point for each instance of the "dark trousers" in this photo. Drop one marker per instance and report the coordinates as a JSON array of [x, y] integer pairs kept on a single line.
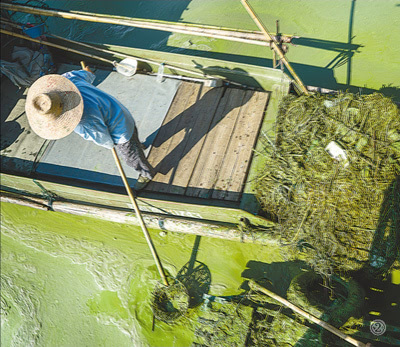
[[133, 155]]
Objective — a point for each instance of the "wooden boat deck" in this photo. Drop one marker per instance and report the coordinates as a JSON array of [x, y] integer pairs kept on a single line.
[[204, 146]]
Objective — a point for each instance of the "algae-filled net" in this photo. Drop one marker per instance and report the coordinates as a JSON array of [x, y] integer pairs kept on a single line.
[[331, 180]]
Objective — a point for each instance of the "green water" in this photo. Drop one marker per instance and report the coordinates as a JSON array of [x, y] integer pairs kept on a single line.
[[74, 281], [343, 44]]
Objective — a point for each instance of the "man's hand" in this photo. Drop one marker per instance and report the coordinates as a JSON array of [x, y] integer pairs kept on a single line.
[[85, 67]]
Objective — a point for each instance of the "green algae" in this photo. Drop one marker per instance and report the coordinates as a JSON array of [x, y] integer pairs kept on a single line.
[[343, 44], [334, 212], [91, 282], [107, 302], [46, 299]]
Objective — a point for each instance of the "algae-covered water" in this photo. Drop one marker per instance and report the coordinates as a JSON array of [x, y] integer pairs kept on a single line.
[[342, 44], [75, 281]]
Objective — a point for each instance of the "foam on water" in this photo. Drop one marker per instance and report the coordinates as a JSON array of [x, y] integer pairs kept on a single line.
[[90, 282], [19, 314], [112, 270]]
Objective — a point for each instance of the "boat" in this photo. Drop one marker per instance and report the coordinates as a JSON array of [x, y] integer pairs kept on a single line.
[[201, 128], [202, 121]]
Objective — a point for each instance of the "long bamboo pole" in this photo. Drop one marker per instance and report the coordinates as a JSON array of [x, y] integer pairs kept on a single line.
[[123, 55], [137, 211], [251, 37], [3, 31], [274, 46], [93, 56], [255, 286], [118, 54], [141, 222]]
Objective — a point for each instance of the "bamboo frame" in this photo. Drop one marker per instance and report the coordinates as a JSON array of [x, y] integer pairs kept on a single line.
[[251, 37], [274, 45], [2, 31], [172, 67]]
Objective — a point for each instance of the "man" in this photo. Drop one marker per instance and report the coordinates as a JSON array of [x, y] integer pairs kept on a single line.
[[57, 105]]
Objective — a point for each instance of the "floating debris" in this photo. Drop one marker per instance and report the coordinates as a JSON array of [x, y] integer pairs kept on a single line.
[[221, 324]]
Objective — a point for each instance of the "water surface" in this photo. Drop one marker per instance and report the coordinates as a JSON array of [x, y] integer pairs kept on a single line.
[[76, 281]]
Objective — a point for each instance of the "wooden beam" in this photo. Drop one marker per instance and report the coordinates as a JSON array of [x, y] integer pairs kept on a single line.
[[123, 215]]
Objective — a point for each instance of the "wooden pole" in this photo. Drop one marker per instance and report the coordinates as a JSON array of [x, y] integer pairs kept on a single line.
[[99, 49], [255, 286], [131, 56], [141, 222], [120, 215], [137, 211], [274, 46], [251, 37], [273, 52], [2, 31]]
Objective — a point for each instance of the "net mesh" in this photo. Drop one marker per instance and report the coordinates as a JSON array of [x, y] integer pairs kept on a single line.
[[170, 302], [340, 212]]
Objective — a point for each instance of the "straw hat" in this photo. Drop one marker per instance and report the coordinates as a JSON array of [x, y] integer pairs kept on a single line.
[[53, 106]]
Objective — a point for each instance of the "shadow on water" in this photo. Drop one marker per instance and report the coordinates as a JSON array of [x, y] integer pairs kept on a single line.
[[118, 34], [347, 51], [382, 299], [280, 274], [373, 282], [172, 11], [195, 276]]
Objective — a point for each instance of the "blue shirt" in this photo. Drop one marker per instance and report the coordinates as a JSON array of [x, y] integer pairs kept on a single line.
[[105, 121]]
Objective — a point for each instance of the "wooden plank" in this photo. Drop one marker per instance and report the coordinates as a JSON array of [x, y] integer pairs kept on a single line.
[[186, 96], [237, 159], [211, 156], [203, 112]]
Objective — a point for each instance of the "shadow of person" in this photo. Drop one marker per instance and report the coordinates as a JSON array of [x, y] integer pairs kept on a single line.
[[10, 131], [195, 276], [184, 131]]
